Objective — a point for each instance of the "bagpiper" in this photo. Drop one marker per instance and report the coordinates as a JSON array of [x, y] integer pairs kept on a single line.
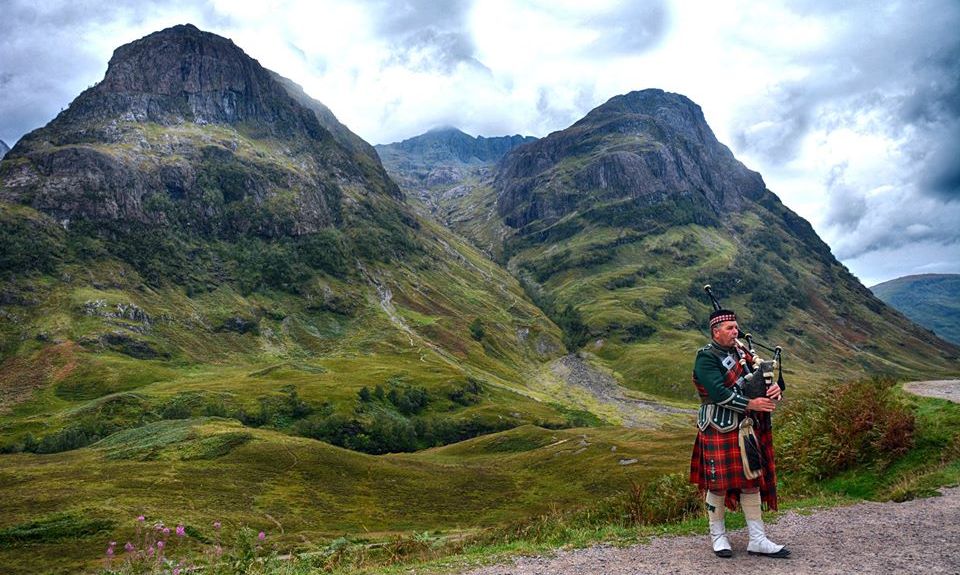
[[733, 460]]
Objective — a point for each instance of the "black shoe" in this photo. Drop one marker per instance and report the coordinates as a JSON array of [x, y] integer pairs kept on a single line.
[[784, 553], [724, 553]]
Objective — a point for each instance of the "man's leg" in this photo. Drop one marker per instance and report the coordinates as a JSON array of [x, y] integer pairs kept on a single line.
[[759, 544], [718, 529]]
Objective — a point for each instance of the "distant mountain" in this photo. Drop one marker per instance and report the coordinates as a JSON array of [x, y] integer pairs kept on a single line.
[[931, 300], [3, 149], [444, 163]]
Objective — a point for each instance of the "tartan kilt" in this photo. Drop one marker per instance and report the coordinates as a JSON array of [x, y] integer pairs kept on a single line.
[[715, 465]]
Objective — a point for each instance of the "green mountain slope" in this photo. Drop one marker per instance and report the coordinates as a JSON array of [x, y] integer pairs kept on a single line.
[[194, 238], [931, 300], [616, 223]]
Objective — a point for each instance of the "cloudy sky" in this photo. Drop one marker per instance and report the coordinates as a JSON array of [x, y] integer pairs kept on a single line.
[[850, 110]]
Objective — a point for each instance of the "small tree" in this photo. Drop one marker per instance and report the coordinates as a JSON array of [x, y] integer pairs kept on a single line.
[[476, 329], [364, 394]]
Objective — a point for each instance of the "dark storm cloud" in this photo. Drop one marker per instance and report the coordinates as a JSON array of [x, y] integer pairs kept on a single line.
[[892, 70], [903, 57]]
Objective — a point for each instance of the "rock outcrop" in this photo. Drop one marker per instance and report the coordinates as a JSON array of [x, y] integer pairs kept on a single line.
[[649, 147]]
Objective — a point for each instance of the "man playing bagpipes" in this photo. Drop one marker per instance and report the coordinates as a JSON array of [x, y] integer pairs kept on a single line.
[[732, 458]]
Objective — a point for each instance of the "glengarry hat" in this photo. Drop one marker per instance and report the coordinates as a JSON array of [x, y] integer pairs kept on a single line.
[[722, 315]]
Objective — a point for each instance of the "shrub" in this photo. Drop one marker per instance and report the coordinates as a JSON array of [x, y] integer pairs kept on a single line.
[[666, 499], [476, 329], [857, 423]]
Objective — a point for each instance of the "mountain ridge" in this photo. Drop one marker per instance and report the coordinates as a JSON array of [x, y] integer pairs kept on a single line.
[[930, 300], [615, 224]]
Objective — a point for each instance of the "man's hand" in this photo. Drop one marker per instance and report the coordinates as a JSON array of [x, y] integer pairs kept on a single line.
[[773, 390], [762, 404]]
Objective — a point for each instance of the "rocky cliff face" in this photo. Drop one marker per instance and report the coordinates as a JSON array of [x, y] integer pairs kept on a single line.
[[186, 129], [646, 147]]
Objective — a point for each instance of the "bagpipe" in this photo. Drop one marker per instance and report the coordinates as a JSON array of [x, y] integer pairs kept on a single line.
[[759, 375], [757, 379]]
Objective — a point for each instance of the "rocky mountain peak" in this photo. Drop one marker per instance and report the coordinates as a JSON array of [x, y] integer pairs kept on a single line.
[[183, 74], [186, 129], [645, 147]]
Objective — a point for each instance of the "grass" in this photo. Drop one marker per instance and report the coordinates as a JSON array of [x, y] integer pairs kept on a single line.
[[314, 491]]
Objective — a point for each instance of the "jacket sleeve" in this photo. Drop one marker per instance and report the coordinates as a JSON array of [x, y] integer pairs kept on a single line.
[[710, 374]]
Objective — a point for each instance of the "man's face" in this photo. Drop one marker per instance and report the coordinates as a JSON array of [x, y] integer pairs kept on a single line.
[[725, 333]]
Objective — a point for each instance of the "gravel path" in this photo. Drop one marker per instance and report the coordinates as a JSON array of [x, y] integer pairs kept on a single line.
[[920, 536], [944, 389]]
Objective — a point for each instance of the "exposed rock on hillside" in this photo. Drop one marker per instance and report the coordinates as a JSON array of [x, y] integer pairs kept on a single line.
[[186, 129], [646, 147]]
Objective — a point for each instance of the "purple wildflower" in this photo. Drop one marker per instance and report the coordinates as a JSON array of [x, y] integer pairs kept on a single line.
[[109, 551], [176, 571], [129, 547], [166, 531], [150, 551], [218, 550], [141, 518], [160, 544], [181, 531], [261, 536], [216, 525]]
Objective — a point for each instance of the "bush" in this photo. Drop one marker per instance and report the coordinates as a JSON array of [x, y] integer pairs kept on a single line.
[[666, 499], [853, 424], [476, 329]]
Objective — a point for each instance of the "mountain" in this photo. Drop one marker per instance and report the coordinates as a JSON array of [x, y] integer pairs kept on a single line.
[[443, 165], [3, 149], [137, 150], [931, 300], [210, 284], [614, 225], [216, 305]]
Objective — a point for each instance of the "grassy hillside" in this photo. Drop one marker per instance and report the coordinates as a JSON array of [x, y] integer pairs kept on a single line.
[[931, 300], [303, 493]]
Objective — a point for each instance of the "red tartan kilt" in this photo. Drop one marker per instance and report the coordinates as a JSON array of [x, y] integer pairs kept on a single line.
[[716, 464]]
